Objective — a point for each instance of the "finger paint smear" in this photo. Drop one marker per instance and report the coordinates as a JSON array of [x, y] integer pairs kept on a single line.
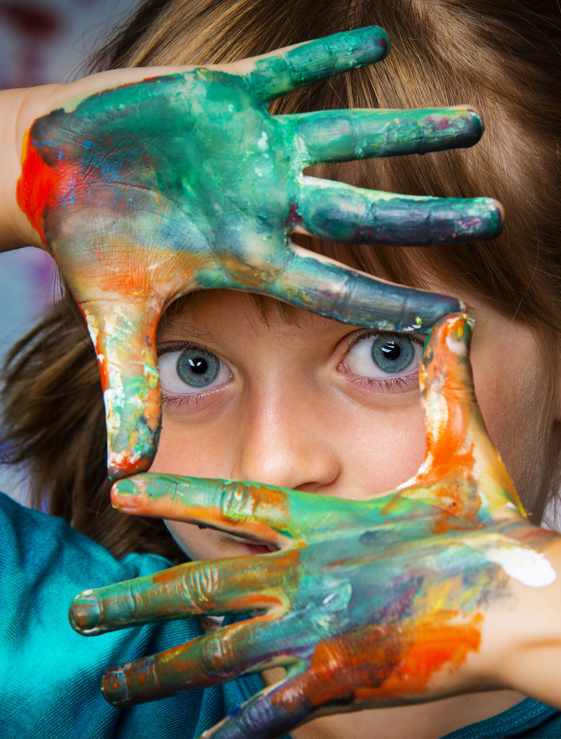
[[374, 603], [147, 191]]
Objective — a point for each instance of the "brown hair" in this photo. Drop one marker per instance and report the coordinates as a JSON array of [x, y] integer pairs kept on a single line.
[[500, 57]]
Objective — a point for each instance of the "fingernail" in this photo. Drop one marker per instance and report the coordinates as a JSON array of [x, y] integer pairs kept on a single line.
[[85, 612], [114, 686], [458, 335], [125, 487]]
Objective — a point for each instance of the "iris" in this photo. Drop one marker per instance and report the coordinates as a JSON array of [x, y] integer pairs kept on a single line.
[[196, 368], [393, 355]]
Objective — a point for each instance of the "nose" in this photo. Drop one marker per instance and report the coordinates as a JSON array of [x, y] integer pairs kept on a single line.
[[284, 440]]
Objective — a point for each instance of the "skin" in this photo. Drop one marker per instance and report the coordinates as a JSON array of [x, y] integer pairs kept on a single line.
[[148, 189], [131, 191], [278, 413], [427, 565]]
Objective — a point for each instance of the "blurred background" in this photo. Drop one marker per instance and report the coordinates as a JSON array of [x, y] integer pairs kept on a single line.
[[42, 41]]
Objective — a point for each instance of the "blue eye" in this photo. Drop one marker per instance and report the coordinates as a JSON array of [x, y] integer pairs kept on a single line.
[[191, 370], [393, 355], [197, 369], [383, 355]]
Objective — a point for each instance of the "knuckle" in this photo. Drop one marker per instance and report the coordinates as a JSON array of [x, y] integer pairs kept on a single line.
[[218, 656], [236, 501], [260, 713], [200, 585]]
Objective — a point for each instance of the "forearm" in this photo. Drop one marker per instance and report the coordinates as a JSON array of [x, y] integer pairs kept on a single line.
[[18, 109]]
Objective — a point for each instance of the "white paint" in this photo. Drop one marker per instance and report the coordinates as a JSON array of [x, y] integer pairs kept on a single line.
[[527, 566], [262, 142], [456, 347]]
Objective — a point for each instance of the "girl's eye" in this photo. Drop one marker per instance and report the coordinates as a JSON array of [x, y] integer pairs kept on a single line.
[[192, 370], [383, 357]]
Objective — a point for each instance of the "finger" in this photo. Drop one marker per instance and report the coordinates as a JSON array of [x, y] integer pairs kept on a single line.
[[340, 212], [270, 714], [447, 394], [343, 294], [295, 66], [124, 334], [458, 445], [238, 585], [207, 660], [341, 136], [338, 671], [260, 512]]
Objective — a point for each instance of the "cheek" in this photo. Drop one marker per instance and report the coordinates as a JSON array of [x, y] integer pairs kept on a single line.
[[197, 450], [381, 450], [512, 391]]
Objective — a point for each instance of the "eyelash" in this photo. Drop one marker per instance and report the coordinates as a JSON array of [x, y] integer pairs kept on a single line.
[[182, 401]]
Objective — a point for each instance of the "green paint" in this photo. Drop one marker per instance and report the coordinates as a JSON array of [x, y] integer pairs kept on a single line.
[[366, 600], [184, 181]]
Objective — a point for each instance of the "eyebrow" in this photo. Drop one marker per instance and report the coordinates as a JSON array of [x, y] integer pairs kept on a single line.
[[179, 328]]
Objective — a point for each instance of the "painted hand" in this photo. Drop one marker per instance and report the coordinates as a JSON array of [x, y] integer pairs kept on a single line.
[[150, 189], [368, 603]]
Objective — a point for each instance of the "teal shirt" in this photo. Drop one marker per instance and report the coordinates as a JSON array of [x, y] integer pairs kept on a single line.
[[50, 676]]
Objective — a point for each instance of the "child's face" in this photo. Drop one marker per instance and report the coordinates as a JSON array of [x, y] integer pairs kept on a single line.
[[323, 407]]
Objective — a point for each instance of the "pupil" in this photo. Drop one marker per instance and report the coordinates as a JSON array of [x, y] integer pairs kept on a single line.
[[393, 355], [390, 350], [198, 365]]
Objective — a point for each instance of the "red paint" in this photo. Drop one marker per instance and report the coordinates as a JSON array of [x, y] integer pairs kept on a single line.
[[128, 467], [36, 186]]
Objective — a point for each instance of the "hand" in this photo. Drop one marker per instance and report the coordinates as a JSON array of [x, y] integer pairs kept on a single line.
[[151, 188], [366, 604]]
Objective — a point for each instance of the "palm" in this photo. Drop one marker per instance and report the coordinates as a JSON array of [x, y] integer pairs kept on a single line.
[[181, 226], [365, 602], [147, 191]]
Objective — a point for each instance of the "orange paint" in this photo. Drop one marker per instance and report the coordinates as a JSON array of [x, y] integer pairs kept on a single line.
[[438, 644], [445, 448], [132, 280], [36, 187], [255, 601], [378, 666]]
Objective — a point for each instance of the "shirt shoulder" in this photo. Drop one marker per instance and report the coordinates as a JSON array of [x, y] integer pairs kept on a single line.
[[528, 719], [35, 545], [51, 675]]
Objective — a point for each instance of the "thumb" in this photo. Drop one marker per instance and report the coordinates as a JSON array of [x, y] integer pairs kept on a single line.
[[124, 336], [447, 395], [457, 441]]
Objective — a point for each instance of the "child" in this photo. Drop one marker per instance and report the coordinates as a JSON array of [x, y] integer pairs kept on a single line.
[[285, 371]]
